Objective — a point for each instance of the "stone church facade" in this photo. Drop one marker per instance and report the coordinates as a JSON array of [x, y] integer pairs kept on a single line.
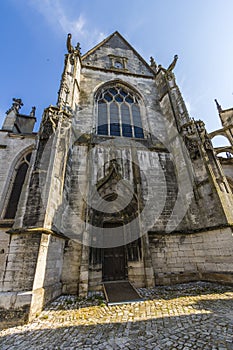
[[119, 183]]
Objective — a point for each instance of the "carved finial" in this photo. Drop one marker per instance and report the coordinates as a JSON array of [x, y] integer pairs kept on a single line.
[[219, 108], [78, 48], [69, 46], [16, 105], [172, 65], [32, 113]]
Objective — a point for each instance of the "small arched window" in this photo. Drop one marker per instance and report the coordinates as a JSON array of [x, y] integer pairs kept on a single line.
[[16, 187], [119, 113]]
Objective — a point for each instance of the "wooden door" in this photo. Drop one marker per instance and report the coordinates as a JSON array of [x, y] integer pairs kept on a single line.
[[114, 264]]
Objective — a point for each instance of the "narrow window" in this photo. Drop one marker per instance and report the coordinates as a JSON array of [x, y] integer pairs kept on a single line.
[[114, 119], [126, 124], [138, 131], [102, 118], [17, 186]]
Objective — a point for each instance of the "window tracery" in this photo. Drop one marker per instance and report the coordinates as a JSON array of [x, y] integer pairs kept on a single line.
[[119, 113]]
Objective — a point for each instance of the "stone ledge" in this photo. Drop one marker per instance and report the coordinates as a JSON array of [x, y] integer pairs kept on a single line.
[[190, 231], [14, 300], [33, 230], [7, 222], [224, 277]]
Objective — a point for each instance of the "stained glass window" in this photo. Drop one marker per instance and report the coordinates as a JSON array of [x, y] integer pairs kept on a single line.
[[119, 113]]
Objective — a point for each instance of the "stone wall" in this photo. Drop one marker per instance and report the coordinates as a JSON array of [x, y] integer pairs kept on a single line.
[[71, 267], [18, 277], [187, 257], [4, 243], [47, 282], [158, 179], [47, 178], [32, 276], [136, 273], [21, 262]]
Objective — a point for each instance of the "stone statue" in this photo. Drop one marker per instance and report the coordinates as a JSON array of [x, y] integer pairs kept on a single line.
[[153, 64], [32, 113]]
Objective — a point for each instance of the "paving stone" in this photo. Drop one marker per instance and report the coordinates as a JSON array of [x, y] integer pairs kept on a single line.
[[182, 317]]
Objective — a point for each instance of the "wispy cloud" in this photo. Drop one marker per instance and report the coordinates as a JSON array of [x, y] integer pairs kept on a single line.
[[55, 12], [192, 101]]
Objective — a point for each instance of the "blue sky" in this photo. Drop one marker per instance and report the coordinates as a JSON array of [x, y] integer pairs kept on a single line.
[[33, 44]]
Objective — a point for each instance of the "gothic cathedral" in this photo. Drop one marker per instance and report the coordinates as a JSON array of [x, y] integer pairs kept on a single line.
[[118, 184]]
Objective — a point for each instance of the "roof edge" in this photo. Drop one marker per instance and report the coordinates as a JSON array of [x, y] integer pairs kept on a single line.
[[91, 51]]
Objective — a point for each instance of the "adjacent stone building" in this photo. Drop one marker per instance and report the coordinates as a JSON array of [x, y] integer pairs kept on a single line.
[[118, 184]]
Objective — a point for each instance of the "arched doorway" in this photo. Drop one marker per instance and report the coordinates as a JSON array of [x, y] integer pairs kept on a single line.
[[115, 242]]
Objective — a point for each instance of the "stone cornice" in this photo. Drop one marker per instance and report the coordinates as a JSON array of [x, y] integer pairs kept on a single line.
[[190, 231], [118, 72], [33, 230], [19, 136]]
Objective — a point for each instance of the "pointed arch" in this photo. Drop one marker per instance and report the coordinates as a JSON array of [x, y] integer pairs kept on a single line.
[[119, 110], [112, 83], [14, 187], [220, 140]]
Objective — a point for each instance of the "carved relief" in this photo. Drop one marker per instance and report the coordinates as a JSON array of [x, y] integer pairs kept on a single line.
[[191, 139], [194, 133], [49, 125]]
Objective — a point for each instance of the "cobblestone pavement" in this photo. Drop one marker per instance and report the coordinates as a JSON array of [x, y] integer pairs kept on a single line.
[[186, 316]]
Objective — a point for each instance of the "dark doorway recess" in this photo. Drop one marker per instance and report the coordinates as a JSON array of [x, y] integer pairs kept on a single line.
[[114, 259]]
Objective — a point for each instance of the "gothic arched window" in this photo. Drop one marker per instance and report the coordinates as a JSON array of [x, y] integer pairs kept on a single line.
[[16, 187], [119, 113]]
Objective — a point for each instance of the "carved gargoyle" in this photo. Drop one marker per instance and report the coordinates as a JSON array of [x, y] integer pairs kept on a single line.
[[168, 72], [172, 65], [69, 46]]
